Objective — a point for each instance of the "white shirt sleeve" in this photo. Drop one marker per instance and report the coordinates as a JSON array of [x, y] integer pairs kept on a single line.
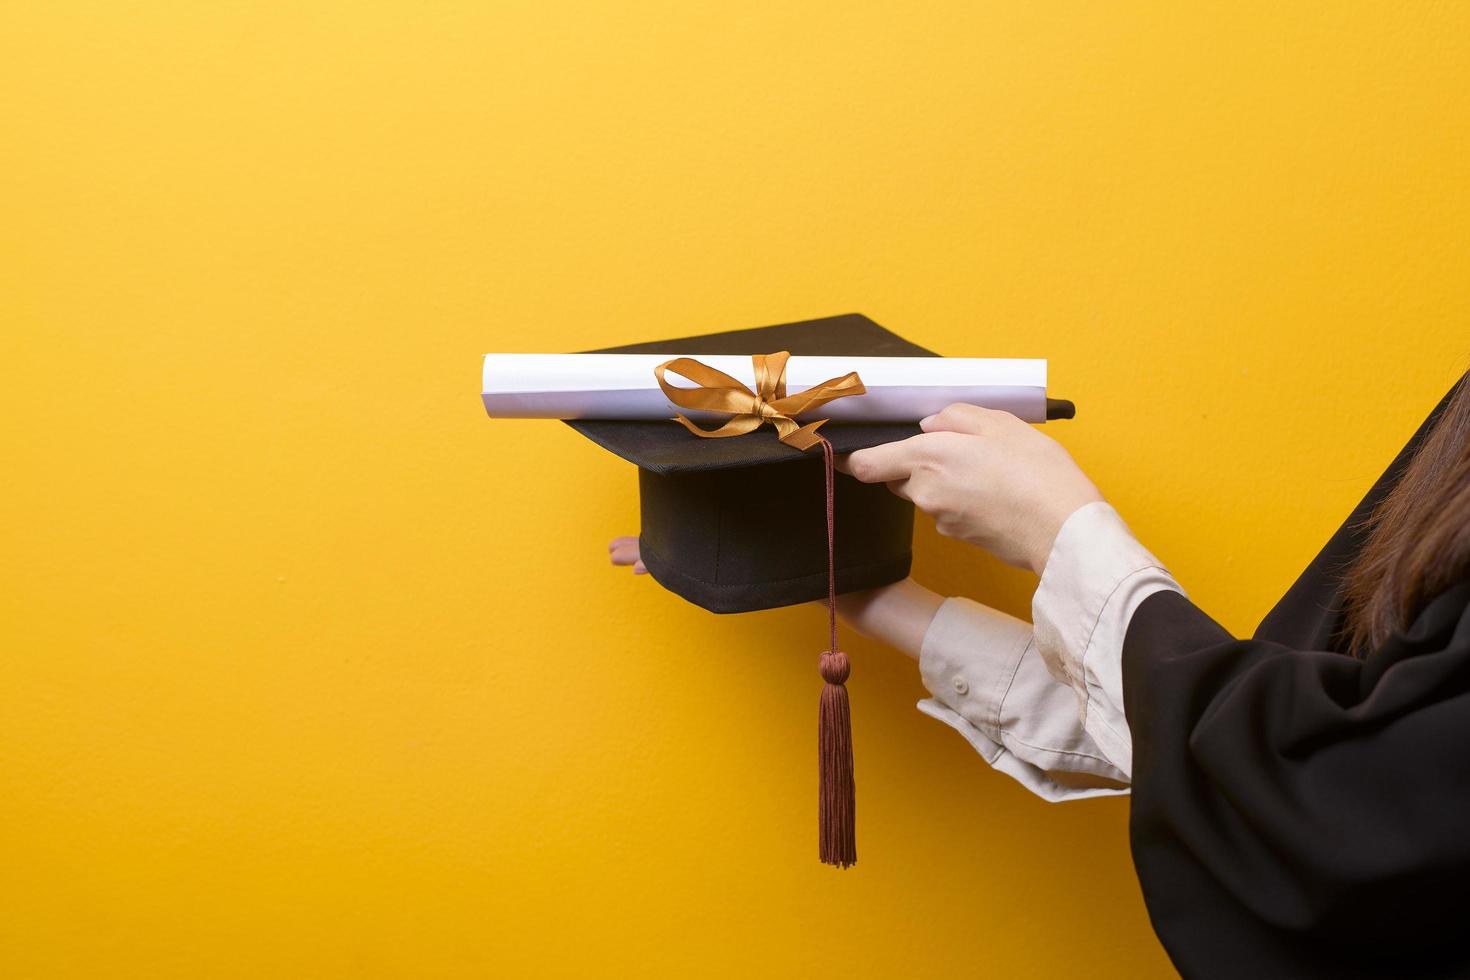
[[1045, 706], [1096, 576]]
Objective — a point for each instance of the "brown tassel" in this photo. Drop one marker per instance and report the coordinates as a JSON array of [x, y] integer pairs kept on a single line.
[[837, 830], [836, 788]]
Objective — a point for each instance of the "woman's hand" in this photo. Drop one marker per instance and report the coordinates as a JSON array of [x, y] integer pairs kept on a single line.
[[987, 478], [624, 551]]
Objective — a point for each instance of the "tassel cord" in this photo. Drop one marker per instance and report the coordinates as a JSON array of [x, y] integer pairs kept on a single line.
[[831, 552]]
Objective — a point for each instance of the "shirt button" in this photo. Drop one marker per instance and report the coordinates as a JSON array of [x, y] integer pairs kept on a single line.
[[961, 686]]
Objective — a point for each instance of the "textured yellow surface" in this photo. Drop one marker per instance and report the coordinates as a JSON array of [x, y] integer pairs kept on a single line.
[[310, 670]]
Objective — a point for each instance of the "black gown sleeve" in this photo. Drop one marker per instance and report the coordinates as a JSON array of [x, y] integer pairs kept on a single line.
[[1297, 812]]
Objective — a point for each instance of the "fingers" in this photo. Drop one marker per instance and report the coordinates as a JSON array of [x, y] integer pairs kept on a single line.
[[969, 419], [883, 464], [624, 551]]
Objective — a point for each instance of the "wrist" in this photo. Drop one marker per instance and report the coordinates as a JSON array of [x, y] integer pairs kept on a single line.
[[897, 615], [857, 610]]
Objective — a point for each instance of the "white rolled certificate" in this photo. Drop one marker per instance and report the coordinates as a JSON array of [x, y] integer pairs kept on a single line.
[[622, 386]]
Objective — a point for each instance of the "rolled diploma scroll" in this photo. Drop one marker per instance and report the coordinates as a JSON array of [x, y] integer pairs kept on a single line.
[[622, 386]]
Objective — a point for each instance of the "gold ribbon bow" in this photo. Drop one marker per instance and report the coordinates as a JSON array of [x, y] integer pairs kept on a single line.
[[718, 392]]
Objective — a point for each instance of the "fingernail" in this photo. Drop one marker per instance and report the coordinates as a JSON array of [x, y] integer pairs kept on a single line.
[[925, 422]]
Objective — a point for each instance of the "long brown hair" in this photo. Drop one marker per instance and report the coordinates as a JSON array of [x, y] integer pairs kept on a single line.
[[1418, 537]]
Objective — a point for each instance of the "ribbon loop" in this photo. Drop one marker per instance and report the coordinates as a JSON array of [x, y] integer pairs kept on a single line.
[[719, 392]]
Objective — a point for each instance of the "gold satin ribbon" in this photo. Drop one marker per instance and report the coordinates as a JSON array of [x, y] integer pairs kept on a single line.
[[718, 392]]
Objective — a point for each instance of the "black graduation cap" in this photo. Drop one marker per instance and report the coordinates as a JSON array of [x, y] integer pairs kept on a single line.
[[738, 524], [743, 523]]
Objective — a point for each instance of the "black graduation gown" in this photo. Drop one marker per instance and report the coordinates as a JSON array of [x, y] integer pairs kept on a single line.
[[1297, 812]]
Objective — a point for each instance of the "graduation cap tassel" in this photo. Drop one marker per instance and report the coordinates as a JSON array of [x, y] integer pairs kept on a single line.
[[837, 796]]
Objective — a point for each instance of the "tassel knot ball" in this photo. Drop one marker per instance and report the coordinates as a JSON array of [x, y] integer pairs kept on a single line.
[[834, 667]]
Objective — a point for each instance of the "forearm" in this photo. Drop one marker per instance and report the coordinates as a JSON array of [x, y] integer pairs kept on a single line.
[[897, 615]]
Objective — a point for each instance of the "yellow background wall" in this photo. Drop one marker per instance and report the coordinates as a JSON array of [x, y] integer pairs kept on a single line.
[[310, 670]]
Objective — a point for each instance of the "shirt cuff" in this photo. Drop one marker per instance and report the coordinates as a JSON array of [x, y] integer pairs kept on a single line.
[[968, 658], [1096, 575], [973, 661]]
